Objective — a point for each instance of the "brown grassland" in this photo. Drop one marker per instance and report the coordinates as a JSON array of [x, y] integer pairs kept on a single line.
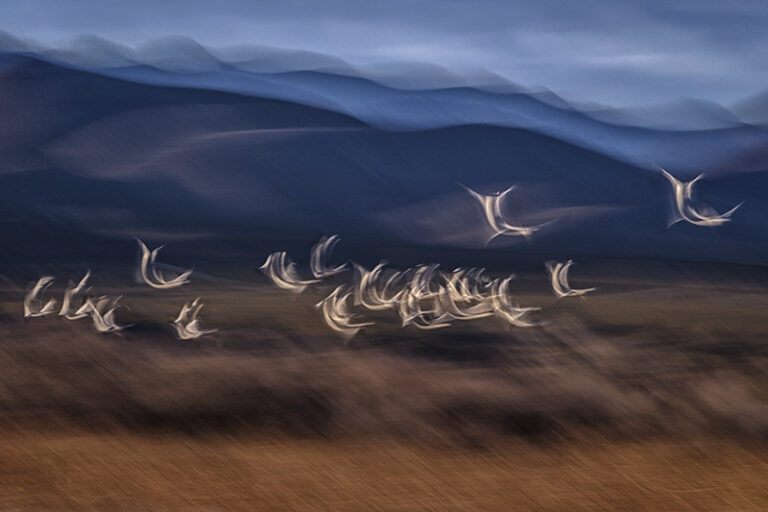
[[646, 396]]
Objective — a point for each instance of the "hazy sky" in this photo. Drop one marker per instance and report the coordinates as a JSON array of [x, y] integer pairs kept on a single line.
[[619, 52]]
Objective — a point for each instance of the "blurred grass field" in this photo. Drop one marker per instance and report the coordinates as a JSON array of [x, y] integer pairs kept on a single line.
[[646, 396]]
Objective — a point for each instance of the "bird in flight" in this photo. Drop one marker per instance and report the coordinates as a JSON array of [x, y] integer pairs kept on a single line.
[[558, 273], [336, 313], [187, 324], [102, 312], [282, 272], [320, 253], [702, 215], [33, 306], [153, 276], [69, 295], [491, 205]]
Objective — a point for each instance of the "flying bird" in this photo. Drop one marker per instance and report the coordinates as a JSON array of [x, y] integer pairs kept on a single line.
[[702, 215], [412, 312], [424, 281], [367, 292], [33, 306], [102, 312], [469, 284], [457, 302], [69, 295], [282, 272], [420, 290], [503, 307], [558, 274], [491, 205], [187, 324], [336, 313], [153, 276], [320, 253]]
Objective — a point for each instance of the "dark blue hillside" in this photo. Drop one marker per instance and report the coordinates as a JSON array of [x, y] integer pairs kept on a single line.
[[97, 160]]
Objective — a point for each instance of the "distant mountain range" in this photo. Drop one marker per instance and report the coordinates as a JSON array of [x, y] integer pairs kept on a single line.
[[96, 151]]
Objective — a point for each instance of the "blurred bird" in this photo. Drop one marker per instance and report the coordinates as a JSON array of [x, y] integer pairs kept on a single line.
[[32, 302], [102, 312], [423, 288], [366, 291], [187, 324], [335, 308], [423, 283], [491, 205], [320, 252], [412, 312], [451, 294], [558, 273], [156, 279], [282, 272], [703, 215], [502, 306], [69, 294]]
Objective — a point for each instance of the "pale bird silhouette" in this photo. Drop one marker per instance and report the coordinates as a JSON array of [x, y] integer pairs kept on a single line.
[[102, 313], [455, 292], [369, 293], [503, 307], [187, 324], [558, 274], [283, 274], [33, 305], [320, 254], [685, 209], [336, 313], [491, 205], [67, 302], [153, 276]]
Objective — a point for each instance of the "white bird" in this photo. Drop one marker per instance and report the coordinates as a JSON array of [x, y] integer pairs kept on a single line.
[[387, 294], [282, 272], [320, 252], [156, 279], [451, 294], [470, 284], [420, 290], [411, 312], [685, 209], [423, 282], [491, 205], [335, 308], [69, 294], [187, 324], [102, 312], [367, 294], [32, 301], [502, 306], [558, 274]]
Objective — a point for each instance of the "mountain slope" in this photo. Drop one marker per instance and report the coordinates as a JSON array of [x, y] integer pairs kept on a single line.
[[109, 159]]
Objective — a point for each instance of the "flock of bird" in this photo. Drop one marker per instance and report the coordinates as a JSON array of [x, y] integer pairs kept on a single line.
[[101, 309], [78, 305], [425, 296]]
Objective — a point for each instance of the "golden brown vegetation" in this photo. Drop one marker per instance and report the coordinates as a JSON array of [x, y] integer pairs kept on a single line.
[[641, 398]]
